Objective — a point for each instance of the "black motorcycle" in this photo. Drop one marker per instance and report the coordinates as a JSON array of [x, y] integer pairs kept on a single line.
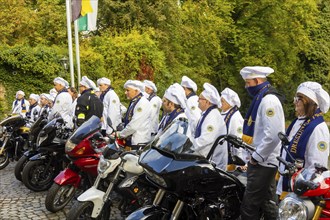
[[32, 145], [190, 187], [42, 168], [13, 139]]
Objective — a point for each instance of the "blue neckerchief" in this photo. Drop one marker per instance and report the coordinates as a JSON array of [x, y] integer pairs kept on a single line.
[[130, 110], [201, 120], [151, 96], [191, 94], [23, 106], [170, 117], [297, 146], [229, 114], [104, 93], [63, 90], [249, 120], [28, 114]]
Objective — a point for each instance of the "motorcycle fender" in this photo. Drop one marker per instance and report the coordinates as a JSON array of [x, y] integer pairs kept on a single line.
[[38, 157], [94, 195], [68, 177], [29, 153], [149, 212]]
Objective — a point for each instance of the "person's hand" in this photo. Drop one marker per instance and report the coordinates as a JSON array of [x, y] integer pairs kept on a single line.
[[243, 168]]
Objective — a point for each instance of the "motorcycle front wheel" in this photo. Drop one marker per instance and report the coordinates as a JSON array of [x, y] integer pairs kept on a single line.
[[20, 166], [36, 177], [83, 210], [59, 196], [4, 159]]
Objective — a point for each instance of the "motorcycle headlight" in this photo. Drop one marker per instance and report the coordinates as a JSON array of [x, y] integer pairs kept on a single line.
[[295, 208], [42, 139], [156, 178], [102, 166], [69, 146]]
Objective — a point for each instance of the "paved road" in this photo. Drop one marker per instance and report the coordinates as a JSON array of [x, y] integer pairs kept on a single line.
[[18, 202]]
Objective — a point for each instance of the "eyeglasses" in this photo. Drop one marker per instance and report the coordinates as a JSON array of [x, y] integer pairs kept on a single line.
[[296, 99]]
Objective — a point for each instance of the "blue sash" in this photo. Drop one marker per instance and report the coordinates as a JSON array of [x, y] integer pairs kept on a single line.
[[250, 118], [169, 118], [104, 93], [297, 146], [229, 115], [23, 106], [151, 96], [28, 114], [190, 95], [200, 122], [130, 110]]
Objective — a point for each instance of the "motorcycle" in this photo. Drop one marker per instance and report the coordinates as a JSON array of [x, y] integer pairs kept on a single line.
[[190, 186], [42, 168], [310, 191], [32, 148], [83, 148], [13, 139], [117, 171]]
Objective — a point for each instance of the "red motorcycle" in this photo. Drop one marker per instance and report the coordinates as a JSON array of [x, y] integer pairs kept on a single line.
[[83, 148], [310, 192]]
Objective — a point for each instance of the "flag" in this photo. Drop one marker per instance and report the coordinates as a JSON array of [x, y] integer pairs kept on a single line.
[[88, 21], [81, 8]]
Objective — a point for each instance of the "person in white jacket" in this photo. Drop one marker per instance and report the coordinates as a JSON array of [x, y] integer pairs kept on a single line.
[[111, 105], [62, 102], [137, 117], [33, 114], [20, 105], [174, 104], [210, 126], [156, 104], [308, 133], [262, 123], [230, 104], [192, 110]]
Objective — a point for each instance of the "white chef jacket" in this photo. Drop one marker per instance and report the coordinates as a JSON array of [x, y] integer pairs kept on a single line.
[[62, 105], [139, 126], [111, 108], [213, 126], [156, 104]]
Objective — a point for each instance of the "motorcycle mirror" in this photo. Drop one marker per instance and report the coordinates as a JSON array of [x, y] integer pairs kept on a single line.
[[109, 122], [284, 138]]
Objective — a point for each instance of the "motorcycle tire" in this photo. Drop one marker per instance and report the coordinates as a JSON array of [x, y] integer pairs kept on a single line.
[[36, 178], [4, 159], [20, 166], [83, 210], [58, 196]]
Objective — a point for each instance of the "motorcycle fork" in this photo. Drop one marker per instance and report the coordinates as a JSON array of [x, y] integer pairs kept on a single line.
[[177, 210], [318, 210], [159, 196], [4, 144], [112, 183]]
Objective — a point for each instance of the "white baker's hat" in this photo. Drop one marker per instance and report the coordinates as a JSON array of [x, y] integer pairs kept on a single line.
[[251, 72], [103, 80], [151, 85], [211, 94], [187, 82], [314, 91], [175, 93], [231, 97], [34, 96], [89, 84], [20, 92], [61, 81], [134, 84]]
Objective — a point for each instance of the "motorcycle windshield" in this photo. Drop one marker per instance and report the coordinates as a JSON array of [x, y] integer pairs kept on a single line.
[[175, 141], [87, 128]]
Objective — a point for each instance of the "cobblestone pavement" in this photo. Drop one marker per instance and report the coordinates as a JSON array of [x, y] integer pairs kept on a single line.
[[18, 202]]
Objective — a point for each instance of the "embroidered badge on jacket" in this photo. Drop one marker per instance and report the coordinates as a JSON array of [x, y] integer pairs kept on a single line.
[[139, 109], [322, 146], [270, 112], [210, 128]]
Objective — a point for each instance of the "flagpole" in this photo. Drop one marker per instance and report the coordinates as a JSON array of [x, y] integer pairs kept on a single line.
[[76, 36], [68, 23]]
